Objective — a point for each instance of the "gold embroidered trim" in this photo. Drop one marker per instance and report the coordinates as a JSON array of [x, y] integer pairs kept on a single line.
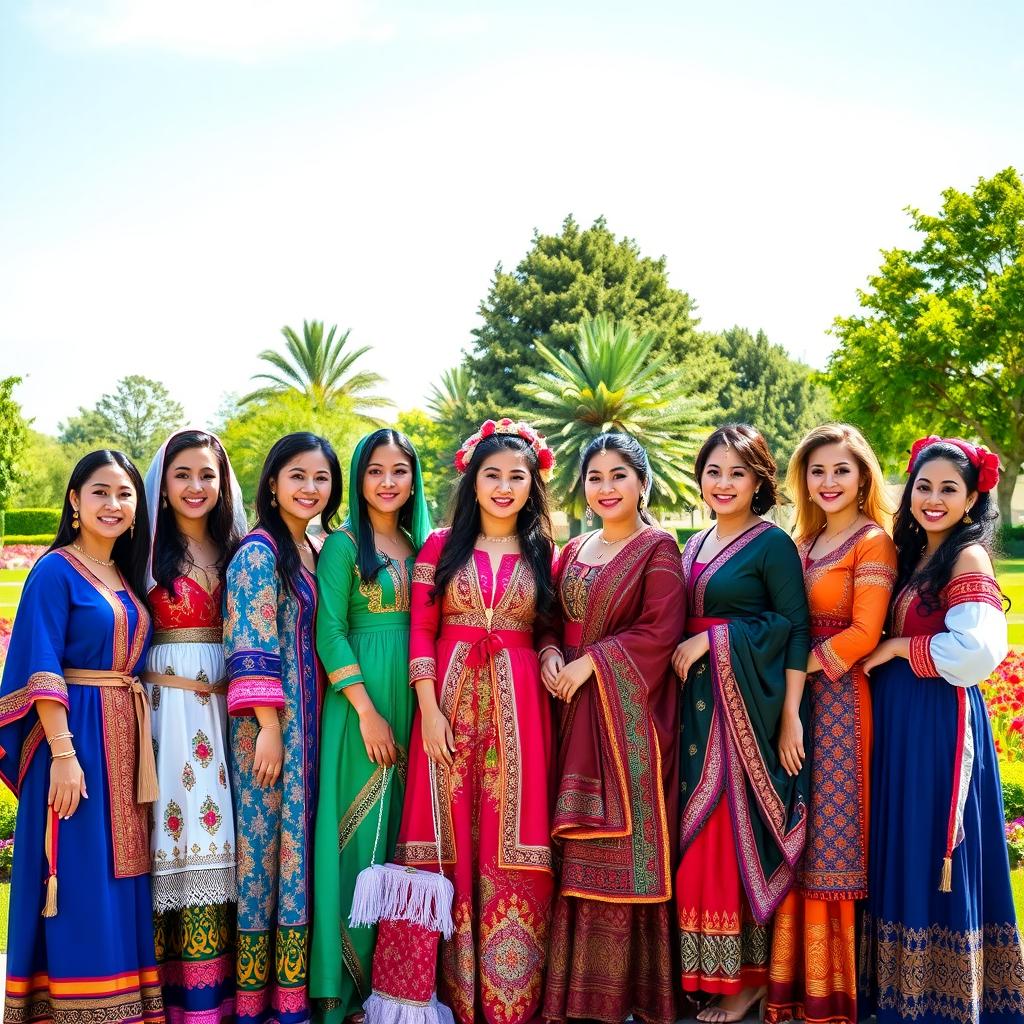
[[346, 672], [191, 635]]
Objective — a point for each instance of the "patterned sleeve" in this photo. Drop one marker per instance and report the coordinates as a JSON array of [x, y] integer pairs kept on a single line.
[[784, 579], [425, 617], [335, 575], [975, 639], [252, 649], [874, 575]]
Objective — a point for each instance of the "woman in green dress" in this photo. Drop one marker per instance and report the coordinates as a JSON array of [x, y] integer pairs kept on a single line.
[[362, 637]]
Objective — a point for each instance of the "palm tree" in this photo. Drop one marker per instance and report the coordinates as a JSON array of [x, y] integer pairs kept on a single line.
[[449, 401], [610, 382], [319, 368]]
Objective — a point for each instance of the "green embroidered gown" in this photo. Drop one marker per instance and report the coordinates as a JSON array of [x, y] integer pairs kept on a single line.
[[362, 636]]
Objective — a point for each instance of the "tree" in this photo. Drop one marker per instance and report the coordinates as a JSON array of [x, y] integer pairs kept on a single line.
[[251, 429], [562, 279], [940, 347], [13, 434], [135, 417], [321, 370], [772, 392], [612, 380], [450, 404], [44, 471], [433, 445]]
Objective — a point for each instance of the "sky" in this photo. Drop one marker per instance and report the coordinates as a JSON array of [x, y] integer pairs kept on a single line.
[[179, 181]]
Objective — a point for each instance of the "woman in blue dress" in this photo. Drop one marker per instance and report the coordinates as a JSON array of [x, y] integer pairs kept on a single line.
[[75, 747], [275, 692], [941, 941]]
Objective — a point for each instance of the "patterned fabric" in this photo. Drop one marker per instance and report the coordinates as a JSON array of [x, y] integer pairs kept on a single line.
[[493, 801], [193, 838], [362, 634], [405, 961], [266, 626], [931, 955], [95, 960]]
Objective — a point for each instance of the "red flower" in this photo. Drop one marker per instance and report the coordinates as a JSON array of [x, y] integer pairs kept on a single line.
[[210, 819], [545, 458], [489, 427], [505, 421], [202, 751], [173, 823]]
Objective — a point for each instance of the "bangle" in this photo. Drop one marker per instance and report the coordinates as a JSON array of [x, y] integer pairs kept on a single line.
[[67, 753], [59, 736], [272, 725]]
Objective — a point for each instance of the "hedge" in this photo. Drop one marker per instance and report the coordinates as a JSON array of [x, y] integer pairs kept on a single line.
[[1012, 775], [33, 520], [28, 538], [3, 518], [1010, 541], [684, 533]]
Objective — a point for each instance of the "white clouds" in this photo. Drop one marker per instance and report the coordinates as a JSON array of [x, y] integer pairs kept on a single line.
[[239, 30]]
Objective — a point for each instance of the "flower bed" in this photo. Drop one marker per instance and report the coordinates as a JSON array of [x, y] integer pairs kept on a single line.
[[1004, 695], [20, 556]]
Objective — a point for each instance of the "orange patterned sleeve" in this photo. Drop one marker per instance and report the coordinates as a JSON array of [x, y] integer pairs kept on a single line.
[[874, 575], [425, 616]]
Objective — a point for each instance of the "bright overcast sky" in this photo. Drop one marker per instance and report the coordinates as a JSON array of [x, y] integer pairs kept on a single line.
[[179, 180]]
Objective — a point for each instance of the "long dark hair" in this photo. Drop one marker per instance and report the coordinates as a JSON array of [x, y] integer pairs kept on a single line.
[[268, 516], [171, 558], [130, 553], [750, 445], [910, 537], [533, 523], [367, 559], [635, 455]]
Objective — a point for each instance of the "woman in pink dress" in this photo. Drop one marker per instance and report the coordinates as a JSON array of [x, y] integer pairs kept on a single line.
[[485, 721]]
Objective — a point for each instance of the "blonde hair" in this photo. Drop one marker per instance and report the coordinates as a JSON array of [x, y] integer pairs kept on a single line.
[[874, 502]]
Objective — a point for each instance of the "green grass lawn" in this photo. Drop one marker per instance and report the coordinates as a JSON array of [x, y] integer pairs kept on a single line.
[[1011, 578], [11, 582], [5, 902]]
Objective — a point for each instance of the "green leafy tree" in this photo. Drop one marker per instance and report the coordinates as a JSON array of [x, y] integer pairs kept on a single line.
[[251, 429], [13, 434], [611, 379], [451, 405], [432, 441], [135, 417], [940, 344], [772, 392], [321, 370], [45, 468], [563, 279]]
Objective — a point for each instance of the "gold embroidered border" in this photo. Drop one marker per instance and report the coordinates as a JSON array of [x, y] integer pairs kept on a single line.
[[190, 635], [422, 668], [346, 672], [423, 572]]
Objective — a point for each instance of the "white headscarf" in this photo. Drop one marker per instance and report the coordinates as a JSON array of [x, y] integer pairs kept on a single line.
[[154, 488]]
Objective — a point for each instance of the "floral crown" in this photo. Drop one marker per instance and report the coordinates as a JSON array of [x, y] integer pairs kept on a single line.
[[984, 461], [545, 456]]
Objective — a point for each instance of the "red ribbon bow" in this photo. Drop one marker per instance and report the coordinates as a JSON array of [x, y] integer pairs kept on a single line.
[[986, 462], [483, 650]]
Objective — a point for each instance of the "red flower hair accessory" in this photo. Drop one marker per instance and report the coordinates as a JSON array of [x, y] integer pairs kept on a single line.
[[984, 461], [545, 456]]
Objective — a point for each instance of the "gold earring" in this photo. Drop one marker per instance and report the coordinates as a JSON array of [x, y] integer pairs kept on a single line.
[[131, 530], [273, 500], [967, 520], [75, 523]]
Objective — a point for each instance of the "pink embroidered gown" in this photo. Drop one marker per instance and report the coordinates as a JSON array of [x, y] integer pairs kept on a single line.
[[476, 643]]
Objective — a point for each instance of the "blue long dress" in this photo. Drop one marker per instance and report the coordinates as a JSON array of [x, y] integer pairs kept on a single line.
[[941, 942], [94, 960]]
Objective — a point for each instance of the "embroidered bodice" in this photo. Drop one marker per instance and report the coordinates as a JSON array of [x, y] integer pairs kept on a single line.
[[192, 607]]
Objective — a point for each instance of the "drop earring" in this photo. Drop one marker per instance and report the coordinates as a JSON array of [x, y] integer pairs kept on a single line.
[[163, 501], [131, 531], [967, 520], [589, 516], [273, 500], [75, 522]]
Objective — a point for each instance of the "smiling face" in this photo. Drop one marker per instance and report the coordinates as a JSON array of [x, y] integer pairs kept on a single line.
[[728, 484], [303, 486], [387, 482], [612, 487], [939, 498], [192, 483], [503, 484], [833, 478], [106, 503]]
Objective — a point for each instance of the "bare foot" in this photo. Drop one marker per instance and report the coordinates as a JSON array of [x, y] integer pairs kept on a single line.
[[731, 1009]]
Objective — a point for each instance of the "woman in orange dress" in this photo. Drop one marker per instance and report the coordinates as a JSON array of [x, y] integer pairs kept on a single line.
[[849, 564]]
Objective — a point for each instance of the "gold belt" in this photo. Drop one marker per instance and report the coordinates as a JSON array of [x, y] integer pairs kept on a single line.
[[181, 683], [146, 790]]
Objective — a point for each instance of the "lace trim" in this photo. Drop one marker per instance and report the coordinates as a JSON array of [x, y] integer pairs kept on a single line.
[[194, 889]]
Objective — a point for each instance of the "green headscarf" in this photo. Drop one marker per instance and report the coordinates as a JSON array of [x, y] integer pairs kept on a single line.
[[421, 525]]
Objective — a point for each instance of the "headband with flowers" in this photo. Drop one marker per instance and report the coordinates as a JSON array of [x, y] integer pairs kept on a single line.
[[545, 456], [986, 462]]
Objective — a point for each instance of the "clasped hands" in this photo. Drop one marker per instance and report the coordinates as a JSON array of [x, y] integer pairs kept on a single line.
[[562, 680]]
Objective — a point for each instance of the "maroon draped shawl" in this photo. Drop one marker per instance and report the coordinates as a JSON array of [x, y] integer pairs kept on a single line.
[[617, 787]]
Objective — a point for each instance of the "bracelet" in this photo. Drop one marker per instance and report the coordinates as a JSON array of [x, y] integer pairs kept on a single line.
[[59, 736], [67, 753]]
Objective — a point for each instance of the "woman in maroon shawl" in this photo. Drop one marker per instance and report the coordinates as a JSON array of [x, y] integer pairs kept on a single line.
[[608, 659]]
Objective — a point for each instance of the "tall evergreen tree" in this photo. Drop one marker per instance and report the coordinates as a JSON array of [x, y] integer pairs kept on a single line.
[[562, 279]]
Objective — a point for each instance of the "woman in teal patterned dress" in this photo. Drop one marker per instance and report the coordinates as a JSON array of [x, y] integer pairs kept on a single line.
[[274, 698], [362, 638]]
